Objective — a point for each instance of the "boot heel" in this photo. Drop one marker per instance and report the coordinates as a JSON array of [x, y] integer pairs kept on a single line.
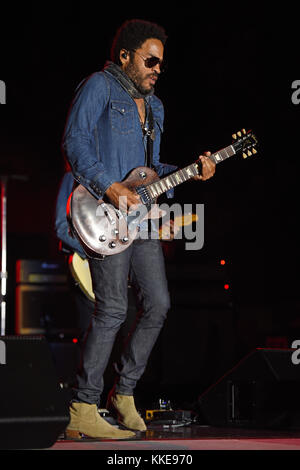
[[72, 434]]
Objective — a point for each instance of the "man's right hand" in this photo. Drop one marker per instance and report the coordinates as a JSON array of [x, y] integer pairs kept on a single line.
[[122, 197]]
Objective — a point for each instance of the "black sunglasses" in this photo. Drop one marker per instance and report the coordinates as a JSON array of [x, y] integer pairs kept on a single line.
[[151, 62]]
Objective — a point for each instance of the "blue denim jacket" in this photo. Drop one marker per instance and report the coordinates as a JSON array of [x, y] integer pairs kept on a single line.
[[61, 226], [103, 140]]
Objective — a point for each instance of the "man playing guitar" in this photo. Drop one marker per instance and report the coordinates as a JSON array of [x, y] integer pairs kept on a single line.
[[107, 134]]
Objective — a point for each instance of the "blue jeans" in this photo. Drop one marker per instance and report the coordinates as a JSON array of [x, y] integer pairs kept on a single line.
[[145, 260]]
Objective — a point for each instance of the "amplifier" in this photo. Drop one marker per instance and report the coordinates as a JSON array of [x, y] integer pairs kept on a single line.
[[40, 272], [44, 303], [45, 309]]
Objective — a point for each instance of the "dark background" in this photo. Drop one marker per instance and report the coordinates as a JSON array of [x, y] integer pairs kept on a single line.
[[227, 70]]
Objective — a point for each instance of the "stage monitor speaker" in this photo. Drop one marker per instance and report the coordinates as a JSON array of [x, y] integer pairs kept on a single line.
[[261, 391], [33, 407]]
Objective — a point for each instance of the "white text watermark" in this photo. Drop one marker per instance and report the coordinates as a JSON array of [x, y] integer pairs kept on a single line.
[[2, 92], [2, 352], [296, 354], [296, 94], [167, 222]]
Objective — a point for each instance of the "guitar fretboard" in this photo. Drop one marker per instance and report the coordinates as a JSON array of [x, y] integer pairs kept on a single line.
[[185, 174]]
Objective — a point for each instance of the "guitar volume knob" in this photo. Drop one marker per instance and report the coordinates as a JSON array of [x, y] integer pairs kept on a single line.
[[112, 245], [102, 238], [125, 239]]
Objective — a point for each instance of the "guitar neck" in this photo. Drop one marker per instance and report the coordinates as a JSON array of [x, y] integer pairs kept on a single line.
[[185, 174]]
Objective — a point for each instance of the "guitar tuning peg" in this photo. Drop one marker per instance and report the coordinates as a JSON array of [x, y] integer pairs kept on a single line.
[[249, 153], [234, 136], [239, 134], [254, 151], [244, 131], [245, 155]]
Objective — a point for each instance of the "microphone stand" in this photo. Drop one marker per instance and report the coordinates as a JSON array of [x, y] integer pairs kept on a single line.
[[3, 275]]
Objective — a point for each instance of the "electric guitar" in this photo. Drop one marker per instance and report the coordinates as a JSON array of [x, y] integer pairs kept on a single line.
[[103, 229], [80, 270]]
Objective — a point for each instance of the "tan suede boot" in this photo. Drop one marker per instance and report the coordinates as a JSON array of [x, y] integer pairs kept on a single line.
[[85, 419], [127, 413]]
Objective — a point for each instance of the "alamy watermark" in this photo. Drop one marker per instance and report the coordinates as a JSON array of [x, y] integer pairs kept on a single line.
[[2, 92], [296, 354], [2, 352], [296, 94], [174, 221]]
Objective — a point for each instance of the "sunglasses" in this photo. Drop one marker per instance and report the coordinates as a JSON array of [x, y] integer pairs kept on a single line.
[[151, 62]]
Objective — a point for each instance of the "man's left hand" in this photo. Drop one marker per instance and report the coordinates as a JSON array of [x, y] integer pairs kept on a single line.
[[208, 167]]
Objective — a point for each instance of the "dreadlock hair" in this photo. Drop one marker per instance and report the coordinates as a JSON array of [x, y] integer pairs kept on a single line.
[[132, 34]]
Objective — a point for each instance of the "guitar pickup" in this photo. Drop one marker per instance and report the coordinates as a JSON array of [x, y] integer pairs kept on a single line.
[[107, 214]]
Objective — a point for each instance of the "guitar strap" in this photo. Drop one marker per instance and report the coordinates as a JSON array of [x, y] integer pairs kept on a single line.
[[150, 138]]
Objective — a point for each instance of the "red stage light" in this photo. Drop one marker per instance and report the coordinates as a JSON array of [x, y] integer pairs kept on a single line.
[[226, 286], [75, 340], [222, 262]]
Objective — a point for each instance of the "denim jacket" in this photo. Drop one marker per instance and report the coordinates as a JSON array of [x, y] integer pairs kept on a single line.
[[103, 139], [61, 226]]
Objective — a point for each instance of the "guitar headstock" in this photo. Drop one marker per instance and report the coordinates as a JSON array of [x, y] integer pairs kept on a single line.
[[245, 143]]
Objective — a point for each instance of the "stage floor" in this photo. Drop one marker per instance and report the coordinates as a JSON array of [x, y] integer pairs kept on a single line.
[[191, 437]]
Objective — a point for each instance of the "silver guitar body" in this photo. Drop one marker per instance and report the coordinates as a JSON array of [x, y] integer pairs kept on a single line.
[[101, 228]]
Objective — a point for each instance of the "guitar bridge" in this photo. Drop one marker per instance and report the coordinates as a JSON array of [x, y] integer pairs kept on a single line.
[[144, 195]]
